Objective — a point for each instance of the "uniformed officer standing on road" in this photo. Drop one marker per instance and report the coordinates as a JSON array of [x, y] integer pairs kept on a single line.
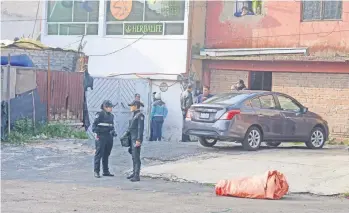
[[103, 129], [136, 129]]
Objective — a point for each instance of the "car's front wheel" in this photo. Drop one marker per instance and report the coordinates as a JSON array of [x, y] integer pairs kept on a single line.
[[253, 139], [207, 142], [317, 139]]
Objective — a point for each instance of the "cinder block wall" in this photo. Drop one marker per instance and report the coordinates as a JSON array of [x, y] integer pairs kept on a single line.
[[60, 60], [222, 80], [325, 94]]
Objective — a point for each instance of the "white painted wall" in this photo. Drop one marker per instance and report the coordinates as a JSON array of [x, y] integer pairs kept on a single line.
[[172, 128], [151, 54]]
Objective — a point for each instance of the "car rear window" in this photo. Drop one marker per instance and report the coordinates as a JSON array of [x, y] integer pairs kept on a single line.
[[228, 98]]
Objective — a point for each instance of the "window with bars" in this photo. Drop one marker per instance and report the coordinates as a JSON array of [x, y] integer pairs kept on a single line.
[[321, 10], [72, 17], [150, 17]]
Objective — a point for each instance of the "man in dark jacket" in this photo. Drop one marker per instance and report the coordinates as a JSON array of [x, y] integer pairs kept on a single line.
[[136, 129], [103, 129], [205, 94], [186, 102]]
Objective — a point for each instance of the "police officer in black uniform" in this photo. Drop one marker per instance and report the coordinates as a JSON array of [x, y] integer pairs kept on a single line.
[[136, 129], [103, 129]]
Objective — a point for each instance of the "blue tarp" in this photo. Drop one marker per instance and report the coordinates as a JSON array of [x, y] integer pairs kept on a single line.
[[21, 108], [18, 60]]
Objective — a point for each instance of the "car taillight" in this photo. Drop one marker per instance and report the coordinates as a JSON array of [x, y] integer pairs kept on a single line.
[[189, 115], [229, 115]]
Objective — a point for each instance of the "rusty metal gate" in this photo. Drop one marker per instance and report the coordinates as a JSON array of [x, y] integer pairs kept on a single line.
[[121, 92]]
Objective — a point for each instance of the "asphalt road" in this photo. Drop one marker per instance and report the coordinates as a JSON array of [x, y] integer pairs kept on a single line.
[[57, 176]]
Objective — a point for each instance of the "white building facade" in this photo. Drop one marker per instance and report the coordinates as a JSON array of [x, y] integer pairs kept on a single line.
[[139, 36]]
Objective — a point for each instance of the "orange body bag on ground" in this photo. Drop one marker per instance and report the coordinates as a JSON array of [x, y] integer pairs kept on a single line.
[[272, 185]]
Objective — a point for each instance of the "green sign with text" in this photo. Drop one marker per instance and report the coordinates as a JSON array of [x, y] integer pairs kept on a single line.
[[143, 28]]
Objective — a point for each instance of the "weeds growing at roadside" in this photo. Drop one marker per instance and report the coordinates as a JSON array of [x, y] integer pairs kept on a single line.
[[24, 131]]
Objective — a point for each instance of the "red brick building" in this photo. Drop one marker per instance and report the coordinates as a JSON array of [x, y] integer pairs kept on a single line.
[[319, 79]]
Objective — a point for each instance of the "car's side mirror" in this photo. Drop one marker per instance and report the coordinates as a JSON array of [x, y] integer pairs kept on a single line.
[[304, 110]]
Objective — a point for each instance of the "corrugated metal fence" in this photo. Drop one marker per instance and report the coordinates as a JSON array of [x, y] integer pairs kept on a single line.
[[67, 94], [121, 92], [66, 89]]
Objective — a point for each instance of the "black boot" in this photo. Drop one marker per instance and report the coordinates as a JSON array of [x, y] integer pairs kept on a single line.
[[108, 174], [131, 176], [135, 178], [97, 175], [137, 169]]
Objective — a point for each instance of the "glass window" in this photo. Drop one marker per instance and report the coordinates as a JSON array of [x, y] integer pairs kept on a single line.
[[288, 104], [150, 17], [72, 17], [256, 103], [164, 10], [174, 29], [322, 10], [228, 98], [267, 102]]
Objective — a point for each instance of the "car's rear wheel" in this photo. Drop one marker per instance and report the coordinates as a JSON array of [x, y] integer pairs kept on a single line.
[[253, 139], [207, 142], [317, 139], [273, 144]]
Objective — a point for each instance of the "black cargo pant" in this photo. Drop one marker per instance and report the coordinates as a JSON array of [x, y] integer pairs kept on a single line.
[[136, 158], [185, 138], [104, 146]]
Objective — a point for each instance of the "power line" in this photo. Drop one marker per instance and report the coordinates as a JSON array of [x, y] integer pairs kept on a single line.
[[36, 17], [118, 50]]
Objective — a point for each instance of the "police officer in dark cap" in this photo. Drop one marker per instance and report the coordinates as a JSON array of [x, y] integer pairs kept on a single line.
[[136, 129], [103, 129]]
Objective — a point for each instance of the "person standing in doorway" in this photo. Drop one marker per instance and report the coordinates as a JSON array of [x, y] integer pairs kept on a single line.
[[138, 98], [136, 129], [103, 129], [205, 94], [240, 85], [158, 114], [186, 102]]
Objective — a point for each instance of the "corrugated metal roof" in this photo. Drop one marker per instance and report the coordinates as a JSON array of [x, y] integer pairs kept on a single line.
[[276, 58], [30, 44], [152, 76]]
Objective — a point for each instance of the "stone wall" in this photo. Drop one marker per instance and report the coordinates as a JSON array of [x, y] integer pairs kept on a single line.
[[59, 60]]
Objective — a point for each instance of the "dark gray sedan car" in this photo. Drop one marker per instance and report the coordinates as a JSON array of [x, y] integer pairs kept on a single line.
[[253, 117]]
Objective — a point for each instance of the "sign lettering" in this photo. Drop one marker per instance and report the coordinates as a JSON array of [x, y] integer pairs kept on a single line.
[[143, 28]]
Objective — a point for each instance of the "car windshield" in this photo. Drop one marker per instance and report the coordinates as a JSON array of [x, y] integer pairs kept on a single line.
[[227, 98]]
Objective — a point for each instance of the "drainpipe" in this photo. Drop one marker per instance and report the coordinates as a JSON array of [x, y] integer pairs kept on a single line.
[[190, 37]]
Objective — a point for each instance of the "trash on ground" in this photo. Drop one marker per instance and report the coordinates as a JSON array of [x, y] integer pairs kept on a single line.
[[271, 185]]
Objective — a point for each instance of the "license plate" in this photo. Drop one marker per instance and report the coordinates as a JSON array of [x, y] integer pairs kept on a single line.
[[205, 115]]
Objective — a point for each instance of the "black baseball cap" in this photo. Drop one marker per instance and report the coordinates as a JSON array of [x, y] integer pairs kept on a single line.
[[136, 103]]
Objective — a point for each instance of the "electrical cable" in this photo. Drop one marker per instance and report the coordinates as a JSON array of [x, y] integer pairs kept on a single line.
[[36, 17]]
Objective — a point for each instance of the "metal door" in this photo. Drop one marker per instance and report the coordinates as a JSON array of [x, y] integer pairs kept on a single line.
[[121, 92]]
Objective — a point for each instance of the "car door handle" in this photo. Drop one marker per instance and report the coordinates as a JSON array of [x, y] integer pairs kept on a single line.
[[260, 115]]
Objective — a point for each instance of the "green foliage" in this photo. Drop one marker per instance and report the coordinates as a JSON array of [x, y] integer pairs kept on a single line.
[[24, 131], [335, 141]]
